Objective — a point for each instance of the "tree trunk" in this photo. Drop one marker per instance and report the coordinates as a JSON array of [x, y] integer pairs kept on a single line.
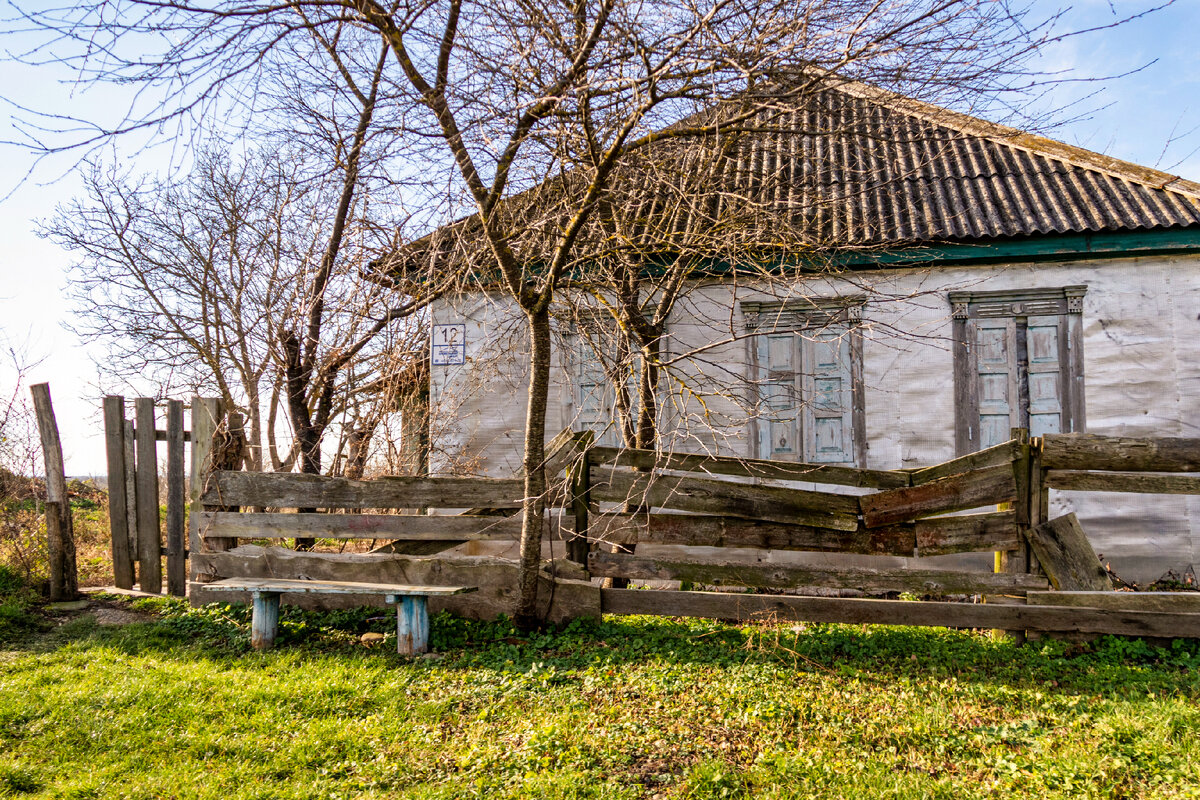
[[647, 428], [533, 513]]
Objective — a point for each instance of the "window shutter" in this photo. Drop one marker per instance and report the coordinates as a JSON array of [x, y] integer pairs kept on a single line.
[[1044, 340], [777, 420], [828, 394], [996, 351]]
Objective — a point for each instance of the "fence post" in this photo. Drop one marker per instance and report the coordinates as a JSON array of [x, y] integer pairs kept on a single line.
[[64, 579], [580, 474], [149, 537], [176, 545], [118, 512], [131, 491], [206, 415]]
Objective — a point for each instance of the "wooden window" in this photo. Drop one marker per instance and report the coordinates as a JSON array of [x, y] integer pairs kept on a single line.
[[595, 372], [1018, 363], [806, 370]]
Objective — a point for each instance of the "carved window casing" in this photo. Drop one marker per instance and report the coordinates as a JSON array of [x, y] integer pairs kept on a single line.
[[1018, 363], [806, 373]]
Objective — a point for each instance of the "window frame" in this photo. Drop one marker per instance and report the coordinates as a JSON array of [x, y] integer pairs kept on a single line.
[[967, 307], [800, 316]]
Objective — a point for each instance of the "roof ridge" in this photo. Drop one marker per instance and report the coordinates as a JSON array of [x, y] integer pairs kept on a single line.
[[1023, 140]]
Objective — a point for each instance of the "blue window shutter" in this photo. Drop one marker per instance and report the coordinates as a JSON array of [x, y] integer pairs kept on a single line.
[[828, 397]]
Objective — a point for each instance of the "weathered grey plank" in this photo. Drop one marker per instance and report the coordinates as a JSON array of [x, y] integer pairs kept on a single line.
[[1139, 482], [247, 525], [131, 489], [958, 492], [1083, 451], [176, 492], [898, 612], [1167, 602], [337, 587], [771, 503], [60, 534], [118, 513], [968, 534], [749, 467], [296, 490], [1067, 556], [718, 531], [579, 480], [162, 436], [789, 576], [1003, 453], [149, 536], [206, 415]]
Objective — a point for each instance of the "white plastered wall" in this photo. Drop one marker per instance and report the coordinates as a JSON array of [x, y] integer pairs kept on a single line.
[[1141, 331]]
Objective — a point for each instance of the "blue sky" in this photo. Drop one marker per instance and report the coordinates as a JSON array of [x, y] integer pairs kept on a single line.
[[1150, 117]]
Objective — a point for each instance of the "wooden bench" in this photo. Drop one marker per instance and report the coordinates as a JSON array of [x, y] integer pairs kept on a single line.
[[412, 612]]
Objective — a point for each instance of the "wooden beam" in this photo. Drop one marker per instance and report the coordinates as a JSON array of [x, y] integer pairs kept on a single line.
[[1173, 602], [206, 416], [772, 503], [249, 525], [176, 492], [1003, 453], [1137, 482], [130, 443], [149, 537], [986, 486], [749, 467], [64, 576], [118, 513], [717, 605], [970, 533], [791, 576], [297, 490], [1083, 451], [1067, 556]]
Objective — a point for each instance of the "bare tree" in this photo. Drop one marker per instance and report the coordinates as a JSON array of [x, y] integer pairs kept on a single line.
[[517, 98]]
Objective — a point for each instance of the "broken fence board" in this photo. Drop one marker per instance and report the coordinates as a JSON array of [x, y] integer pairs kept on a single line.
[[749, 467], [969, 533], [246, 525], [1063, 550], [987, 486], [773, 503], [717, 605], [790, 576], [1136, 482], [1003, 453], [296, 490], [1083, 451]]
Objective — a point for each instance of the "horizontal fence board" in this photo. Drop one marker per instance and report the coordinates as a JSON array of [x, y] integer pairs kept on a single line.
[[296, 490], [773, 503], [1174, 602], [970, 533], [716, 605], [247, 525], [987, 486], [791, 576], [336, 587], [749, 467], [1003, 453], [929, 537], [1083, 451], [1136, 482], [717, 531]]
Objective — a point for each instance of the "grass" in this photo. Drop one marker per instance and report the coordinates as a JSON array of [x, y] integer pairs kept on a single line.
[[623, 708]]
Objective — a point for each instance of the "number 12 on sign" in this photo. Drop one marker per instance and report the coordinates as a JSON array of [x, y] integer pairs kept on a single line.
[[449, 345]]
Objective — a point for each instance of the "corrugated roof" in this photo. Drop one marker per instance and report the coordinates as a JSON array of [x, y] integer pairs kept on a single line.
[[847, 166]]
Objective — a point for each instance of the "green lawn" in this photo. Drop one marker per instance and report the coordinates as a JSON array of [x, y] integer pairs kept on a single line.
[[629, 707]]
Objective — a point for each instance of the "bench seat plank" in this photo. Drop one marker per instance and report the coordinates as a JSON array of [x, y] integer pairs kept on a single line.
[[336, 587]]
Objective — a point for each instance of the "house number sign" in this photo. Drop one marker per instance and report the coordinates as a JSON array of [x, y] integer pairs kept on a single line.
[[449, 345]]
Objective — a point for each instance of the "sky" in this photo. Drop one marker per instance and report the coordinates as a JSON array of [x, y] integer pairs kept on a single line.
[[1150, 116]]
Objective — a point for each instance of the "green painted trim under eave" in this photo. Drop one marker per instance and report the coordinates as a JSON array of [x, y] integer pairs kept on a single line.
[[1056, 247]]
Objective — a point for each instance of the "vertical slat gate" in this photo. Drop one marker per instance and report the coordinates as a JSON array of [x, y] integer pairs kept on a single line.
[[149, 538], [118, 511], [176, 545]]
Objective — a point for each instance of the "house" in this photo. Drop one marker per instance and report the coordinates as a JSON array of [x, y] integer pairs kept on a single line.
[[977, 278]]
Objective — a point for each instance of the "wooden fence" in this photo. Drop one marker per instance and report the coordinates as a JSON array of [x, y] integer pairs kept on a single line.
[[605, 503]]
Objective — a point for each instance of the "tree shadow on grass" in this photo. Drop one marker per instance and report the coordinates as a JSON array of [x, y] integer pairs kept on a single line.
[[1110, 666]]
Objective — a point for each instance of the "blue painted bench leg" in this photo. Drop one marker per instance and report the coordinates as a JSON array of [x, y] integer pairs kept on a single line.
[[412, 625], [265, 622]]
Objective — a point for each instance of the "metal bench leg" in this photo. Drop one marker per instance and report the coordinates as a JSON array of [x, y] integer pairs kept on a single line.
[[265, 622], [412, 625]]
